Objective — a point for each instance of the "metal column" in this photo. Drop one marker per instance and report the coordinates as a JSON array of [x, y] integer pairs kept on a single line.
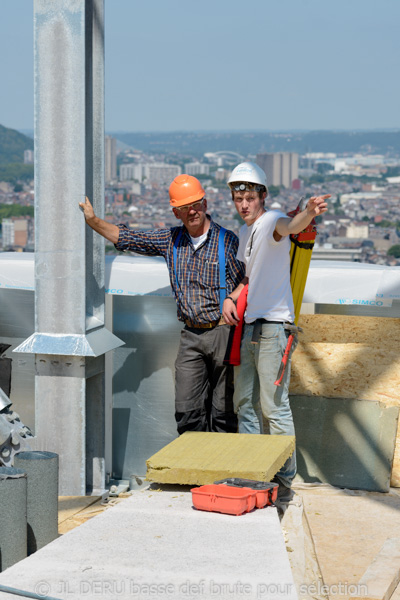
[[70, 338]]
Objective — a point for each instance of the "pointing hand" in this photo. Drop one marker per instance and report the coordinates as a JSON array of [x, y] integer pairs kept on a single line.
[[317, 205]]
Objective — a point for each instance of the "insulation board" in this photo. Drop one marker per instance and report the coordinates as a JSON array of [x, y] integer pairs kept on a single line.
[[345, 442], [200, 458]]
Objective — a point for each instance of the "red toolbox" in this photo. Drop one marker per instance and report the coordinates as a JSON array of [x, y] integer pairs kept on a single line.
[[267, 491], [226, 499]]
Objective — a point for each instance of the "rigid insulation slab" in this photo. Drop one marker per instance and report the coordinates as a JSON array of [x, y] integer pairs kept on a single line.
[[345, 442], [199, 458]]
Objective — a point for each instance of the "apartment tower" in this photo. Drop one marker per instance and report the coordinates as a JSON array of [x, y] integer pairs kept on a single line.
[[110, 158], [281, 168]]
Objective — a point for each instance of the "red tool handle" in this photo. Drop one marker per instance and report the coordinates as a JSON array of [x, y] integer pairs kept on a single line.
[[285, 357]]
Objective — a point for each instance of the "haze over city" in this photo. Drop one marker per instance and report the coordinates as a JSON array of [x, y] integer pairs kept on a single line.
[[196, 88], [228, 65]]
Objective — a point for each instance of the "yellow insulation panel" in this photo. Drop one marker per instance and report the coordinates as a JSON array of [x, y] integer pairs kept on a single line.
[[199, 458]]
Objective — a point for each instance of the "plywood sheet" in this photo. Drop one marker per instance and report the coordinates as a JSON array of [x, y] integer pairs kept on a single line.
[[395, 480], [348, 529], [383, 574], [349, 357], [70, 505], [199, 458], [346, 370], [338, 329]]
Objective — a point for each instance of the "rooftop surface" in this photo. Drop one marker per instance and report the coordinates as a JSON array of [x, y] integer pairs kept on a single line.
[[155, 544], [323, 548]]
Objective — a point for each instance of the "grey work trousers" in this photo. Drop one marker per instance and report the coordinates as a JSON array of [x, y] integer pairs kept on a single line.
[[203, 384]]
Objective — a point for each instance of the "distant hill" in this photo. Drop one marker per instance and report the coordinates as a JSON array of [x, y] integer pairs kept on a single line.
[[250, 142], [12, 145]]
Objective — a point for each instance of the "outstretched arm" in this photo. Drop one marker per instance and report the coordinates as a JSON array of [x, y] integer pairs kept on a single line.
[[316, 205], [107, 230]]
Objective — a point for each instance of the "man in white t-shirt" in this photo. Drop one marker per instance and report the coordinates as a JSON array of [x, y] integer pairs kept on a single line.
[[264, 247]]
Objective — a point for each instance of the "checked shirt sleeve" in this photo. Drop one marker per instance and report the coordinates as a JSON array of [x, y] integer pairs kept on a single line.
[[149, 243], [235, 270]]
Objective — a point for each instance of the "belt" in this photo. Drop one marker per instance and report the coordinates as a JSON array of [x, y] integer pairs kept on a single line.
[[208, 325], [266, 321]]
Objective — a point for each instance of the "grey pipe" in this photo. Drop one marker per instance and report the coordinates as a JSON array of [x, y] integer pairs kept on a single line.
[[24, 594], [42, 494], [13, 516]]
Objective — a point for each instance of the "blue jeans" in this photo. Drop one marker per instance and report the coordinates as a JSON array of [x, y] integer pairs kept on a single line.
[[256, 394]]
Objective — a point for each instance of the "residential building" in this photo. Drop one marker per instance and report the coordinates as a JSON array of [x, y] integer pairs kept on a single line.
[[7, 226], [358, 230], [131, 171], [197, 168], [15, 232], [28, 157], [159, 173]]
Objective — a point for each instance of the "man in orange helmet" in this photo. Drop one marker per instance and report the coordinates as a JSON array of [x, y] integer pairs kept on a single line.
[[203, 270]]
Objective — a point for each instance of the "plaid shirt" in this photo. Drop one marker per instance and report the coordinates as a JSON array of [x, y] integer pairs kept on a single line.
[[195, 277]]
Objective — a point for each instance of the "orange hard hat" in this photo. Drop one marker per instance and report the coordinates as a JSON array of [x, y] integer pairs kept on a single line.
[[185, 189]]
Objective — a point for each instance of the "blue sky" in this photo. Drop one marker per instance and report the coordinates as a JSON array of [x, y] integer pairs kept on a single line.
[[229, 64]]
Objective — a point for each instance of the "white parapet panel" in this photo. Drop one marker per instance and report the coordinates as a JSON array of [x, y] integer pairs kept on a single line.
[[328, 282], [355, 284], [17, 271]]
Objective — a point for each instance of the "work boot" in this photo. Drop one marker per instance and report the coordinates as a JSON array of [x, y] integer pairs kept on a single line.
[[285, 495]]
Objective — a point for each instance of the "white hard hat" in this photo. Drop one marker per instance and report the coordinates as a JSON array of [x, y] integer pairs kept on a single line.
[[248, 172]]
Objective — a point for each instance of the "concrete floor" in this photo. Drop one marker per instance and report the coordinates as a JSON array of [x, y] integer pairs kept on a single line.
[[155, 544], [329, 537]]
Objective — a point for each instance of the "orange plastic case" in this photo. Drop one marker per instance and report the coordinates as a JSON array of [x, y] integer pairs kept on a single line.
[[224, 499], [267, 491], [262, 498]]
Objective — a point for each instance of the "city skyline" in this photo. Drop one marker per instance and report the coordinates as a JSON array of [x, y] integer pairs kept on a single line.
[[297, 65]]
